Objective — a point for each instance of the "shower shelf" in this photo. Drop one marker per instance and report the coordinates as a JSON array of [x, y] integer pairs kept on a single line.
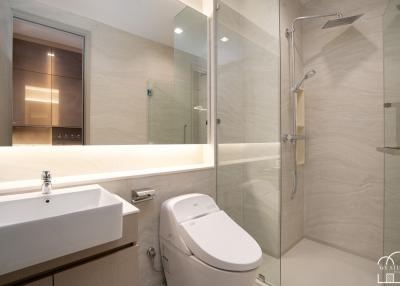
[[389, 150]]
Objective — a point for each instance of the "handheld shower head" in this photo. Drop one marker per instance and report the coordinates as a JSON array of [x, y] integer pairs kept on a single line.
[[308, 75]]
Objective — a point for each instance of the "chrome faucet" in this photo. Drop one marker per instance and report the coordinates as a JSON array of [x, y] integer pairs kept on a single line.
[[46, 185]]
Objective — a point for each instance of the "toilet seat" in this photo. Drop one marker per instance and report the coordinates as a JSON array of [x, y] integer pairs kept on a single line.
[[218, 241]]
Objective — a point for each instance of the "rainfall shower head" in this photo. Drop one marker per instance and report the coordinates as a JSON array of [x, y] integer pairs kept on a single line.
[[308, 75], [341, 21]]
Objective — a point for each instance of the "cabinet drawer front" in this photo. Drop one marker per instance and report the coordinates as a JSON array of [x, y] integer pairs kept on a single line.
[[119, 268]]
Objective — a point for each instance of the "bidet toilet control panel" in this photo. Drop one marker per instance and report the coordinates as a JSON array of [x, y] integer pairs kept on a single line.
[[192, 206]]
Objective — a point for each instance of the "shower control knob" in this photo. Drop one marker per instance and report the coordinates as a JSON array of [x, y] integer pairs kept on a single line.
[[292, 138]]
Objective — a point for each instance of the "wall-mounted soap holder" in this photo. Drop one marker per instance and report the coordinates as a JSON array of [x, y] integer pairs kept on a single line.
[[142, 195]]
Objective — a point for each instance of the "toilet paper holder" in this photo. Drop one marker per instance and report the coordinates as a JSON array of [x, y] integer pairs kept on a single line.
[[142, 195]]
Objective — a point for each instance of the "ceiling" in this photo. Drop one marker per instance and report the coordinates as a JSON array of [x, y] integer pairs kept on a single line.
[[193, 39], [151, 19]]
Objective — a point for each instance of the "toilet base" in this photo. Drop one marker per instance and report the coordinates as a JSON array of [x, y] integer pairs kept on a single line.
[[183, 270]]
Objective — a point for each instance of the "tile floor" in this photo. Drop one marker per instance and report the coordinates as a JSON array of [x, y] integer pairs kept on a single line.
[[313, 264]]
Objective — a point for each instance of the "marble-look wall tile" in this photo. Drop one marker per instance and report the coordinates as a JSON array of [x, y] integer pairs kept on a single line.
[[249, 193], [256, 10], [292, 208], [118, 76], [343, 177], [230, 190]]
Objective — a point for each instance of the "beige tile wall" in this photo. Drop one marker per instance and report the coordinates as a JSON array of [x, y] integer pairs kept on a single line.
[[343, 177], [171, 105], [118, 75]]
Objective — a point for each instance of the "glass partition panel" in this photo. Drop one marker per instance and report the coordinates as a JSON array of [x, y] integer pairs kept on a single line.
[[248, 130], [392, 128]]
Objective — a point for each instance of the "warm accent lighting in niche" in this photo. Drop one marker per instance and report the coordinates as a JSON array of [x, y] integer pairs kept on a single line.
[[50, 54], [43, 95], [178, 31]]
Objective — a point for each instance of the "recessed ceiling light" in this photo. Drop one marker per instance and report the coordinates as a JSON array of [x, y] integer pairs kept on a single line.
[[224, 39], [178, 30], [50, 54]]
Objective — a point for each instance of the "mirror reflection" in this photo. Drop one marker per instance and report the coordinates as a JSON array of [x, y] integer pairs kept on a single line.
[[109, 73]]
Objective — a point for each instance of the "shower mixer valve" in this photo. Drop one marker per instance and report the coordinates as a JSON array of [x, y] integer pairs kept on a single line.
[[292, 138]]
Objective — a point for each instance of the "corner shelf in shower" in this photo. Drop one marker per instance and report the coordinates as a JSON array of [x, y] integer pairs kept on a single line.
[[389, 150]]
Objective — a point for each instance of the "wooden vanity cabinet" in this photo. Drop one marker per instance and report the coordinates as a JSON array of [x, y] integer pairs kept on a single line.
[[120, 269]]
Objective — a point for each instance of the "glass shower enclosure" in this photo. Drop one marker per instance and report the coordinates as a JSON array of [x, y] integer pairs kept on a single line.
[[391, 34], [248, 124], [249, 173]]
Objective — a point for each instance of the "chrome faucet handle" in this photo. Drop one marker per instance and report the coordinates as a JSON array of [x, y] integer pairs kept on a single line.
[[46, 176]]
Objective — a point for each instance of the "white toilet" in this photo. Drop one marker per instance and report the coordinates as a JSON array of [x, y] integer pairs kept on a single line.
[[202, 246]]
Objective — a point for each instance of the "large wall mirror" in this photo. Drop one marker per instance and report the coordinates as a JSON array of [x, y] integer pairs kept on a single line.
[[87, 72]]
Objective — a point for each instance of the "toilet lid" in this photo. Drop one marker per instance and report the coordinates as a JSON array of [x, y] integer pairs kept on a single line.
[[218, 241]]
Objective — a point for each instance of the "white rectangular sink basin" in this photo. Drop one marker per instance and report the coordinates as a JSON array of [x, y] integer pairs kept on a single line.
[[35, 228]]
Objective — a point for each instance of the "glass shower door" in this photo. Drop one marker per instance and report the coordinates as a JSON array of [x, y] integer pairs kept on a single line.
[[248, 130], [392, 128]]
